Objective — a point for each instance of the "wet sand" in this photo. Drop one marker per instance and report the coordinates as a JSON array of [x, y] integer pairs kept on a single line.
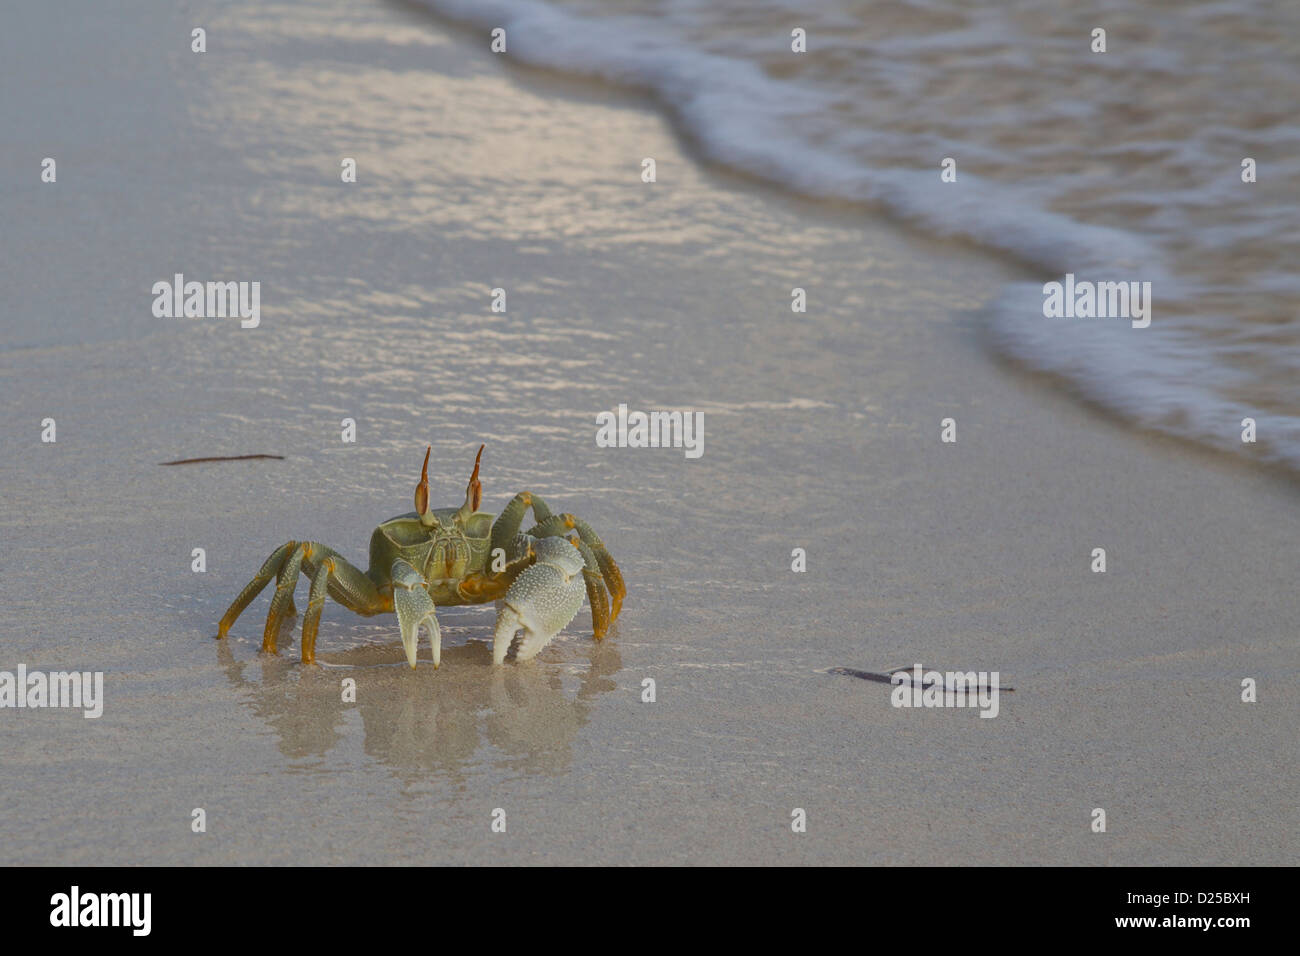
[[822, 432]]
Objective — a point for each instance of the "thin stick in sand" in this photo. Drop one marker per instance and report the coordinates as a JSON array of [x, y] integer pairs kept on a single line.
[[887, 677], [195, 461]]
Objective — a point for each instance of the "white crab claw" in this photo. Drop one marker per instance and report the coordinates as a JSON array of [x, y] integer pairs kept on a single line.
[[542, 600], [414, 607]]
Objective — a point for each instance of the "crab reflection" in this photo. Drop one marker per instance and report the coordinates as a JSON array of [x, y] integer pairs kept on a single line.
[[452, 719]]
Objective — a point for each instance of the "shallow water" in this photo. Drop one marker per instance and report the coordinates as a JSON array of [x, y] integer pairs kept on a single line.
[[1122, 165]]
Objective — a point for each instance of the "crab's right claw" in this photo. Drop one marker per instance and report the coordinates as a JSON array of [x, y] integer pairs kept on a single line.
[[414, 607], [542, 600]]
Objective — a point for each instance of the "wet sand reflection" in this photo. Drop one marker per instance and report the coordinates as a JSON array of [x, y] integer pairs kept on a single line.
[[456, 719]]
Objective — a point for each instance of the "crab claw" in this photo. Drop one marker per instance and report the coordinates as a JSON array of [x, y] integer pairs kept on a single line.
[[542, 600], [414, 607]]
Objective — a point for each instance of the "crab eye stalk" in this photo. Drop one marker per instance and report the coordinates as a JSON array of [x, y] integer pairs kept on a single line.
[[422, 489], [474, 491]]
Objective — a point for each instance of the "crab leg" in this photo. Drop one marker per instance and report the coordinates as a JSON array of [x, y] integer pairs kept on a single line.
[[511, 518], [542, 600], [281, 601], [347, 583], [596, 594], [335, 576], [414, 607], [292, 609], [330, 574], [507, 526], [561, 524], [315, 604], [270, 568]]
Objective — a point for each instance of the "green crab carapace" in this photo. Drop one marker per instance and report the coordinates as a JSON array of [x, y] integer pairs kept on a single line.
[[439, 557]]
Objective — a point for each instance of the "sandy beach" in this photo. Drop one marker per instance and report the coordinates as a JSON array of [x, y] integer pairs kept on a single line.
[[822, 432]]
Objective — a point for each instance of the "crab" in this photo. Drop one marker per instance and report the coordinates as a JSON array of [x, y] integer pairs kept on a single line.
[[441, 557]]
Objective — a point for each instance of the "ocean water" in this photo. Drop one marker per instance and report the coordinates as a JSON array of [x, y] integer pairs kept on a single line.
[[1122, 165], [820, 434]]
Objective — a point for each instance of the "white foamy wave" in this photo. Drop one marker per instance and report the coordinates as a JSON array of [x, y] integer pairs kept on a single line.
[[853, 123], [1160, 378]]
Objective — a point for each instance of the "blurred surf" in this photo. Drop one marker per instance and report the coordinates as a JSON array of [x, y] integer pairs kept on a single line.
[[1117, 166]]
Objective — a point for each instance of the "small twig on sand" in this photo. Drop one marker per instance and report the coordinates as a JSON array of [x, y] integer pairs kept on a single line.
[[888, 677], [195, 461]]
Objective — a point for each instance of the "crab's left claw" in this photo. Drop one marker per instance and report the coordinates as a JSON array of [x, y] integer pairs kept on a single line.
[[542, 600], [414, 607]]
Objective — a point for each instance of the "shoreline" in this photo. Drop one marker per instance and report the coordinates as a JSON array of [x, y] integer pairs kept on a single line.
[[1087, 369], [823, 433]]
